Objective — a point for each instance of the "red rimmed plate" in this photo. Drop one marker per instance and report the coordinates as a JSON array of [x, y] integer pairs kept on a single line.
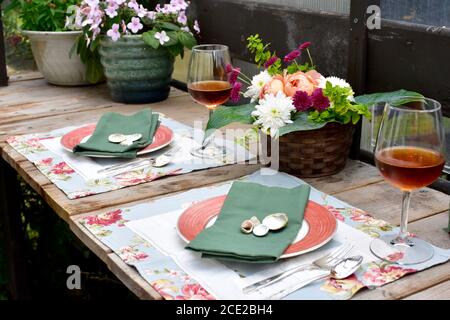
[[162, 138], [319, 225]]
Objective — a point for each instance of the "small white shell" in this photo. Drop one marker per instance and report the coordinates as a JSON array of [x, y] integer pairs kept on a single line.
[[260, 230], [134, 137], [126, 142], [247, 227], [276, 221], [116, 138]]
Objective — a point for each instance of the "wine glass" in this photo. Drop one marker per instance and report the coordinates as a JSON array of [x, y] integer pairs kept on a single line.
[[208, 85], [410, 154]]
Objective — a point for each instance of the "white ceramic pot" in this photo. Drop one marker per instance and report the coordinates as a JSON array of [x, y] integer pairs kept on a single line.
[[51, 52]]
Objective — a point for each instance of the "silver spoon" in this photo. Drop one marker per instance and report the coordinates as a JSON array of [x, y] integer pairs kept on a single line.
[[342, 270]]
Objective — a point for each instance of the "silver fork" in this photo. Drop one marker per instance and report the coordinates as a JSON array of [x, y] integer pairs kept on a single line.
[[325, 263], [137, 163]]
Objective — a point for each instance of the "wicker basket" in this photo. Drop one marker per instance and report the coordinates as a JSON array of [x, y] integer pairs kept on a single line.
[[316, 153]]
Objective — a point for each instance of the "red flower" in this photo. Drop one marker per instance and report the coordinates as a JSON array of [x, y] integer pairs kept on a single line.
[[61, 168], [233, 75], [228, 68], [106, 219], [394, 257], [302, 101], [337, 214], [236, 91], [46, 161], [292, 55], [319, 101], [194, 292], [270, 61], [304, 45]]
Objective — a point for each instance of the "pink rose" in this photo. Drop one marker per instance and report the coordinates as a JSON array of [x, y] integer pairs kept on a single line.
[[301, 81], [274, 86]]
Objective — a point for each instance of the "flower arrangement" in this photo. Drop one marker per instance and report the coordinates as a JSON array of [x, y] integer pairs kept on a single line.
[[165, 27], [288, 96]]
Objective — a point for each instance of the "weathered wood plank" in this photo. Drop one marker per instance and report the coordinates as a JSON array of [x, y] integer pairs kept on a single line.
[[131, 278], [32, 75], [356, 174], [384, 201], [171, 107], [431, 229], [34, 99], [95, 245], [439, 292]]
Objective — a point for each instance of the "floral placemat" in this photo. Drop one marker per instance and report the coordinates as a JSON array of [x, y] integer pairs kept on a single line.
[[75, 186], [173, 283]]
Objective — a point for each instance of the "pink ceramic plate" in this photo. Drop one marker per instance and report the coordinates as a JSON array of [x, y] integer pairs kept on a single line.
[[318, 226], [162, 138]]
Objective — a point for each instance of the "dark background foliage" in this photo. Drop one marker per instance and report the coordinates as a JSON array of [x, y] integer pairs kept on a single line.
[[50, 248]]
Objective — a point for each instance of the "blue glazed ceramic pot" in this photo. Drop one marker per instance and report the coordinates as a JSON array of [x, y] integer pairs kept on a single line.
[[136, 73]]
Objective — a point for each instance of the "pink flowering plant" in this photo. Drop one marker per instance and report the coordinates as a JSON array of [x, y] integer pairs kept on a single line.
[[166, 27], [288, 95]]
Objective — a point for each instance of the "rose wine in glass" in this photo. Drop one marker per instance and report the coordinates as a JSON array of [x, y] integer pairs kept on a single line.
[[208, 85], [410, 154]]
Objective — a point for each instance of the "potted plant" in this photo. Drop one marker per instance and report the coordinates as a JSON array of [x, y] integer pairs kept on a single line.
[[313, 117], [44, 23], [138, 46]]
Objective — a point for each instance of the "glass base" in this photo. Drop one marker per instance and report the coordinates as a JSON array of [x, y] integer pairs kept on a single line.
[[211, 152], [402, 251]]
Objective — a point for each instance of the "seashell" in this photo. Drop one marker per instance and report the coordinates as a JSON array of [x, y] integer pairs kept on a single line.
[[247, 227], [260, 230], [276, 221], [255, 220], [116, 138], [134, 137]]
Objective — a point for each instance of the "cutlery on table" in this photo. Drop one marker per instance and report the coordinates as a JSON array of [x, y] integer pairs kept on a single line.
[[159, 161], [326, 263], [342, 270]]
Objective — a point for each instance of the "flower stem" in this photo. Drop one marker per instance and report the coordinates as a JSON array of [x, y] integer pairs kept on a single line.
[[249, 80], [244, 80], [310, 58]]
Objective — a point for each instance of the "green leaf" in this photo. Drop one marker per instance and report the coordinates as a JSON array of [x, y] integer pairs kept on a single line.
[[168, 26], [225, 115], [94, 71], [149, 39], [175, 50], [394, 98], [173, 39], [301, 123], [187, 39]]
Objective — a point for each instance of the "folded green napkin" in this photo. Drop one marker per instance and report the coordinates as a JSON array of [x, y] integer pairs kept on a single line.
[[224, 240], [144, 122]]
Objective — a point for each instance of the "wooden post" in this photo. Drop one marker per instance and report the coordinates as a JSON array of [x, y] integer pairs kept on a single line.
[[357, 57], [19, 285], [3, 73]]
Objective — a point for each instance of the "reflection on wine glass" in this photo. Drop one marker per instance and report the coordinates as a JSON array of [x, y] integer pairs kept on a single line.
[[208, 84], [410, 155]]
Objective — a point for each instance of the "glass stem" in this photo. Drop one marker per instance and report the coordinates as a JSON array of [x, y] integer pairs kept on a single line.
[[208, 140], [402, 238]]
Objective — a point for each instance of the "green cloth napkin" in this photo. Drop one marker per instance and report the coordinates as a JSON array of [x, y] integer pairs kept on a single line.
[[144, 122], [224, 240]]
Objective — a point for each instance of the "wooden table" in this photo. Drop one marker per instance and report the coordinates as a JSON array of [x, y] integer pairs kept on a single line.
[[32, 106]]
